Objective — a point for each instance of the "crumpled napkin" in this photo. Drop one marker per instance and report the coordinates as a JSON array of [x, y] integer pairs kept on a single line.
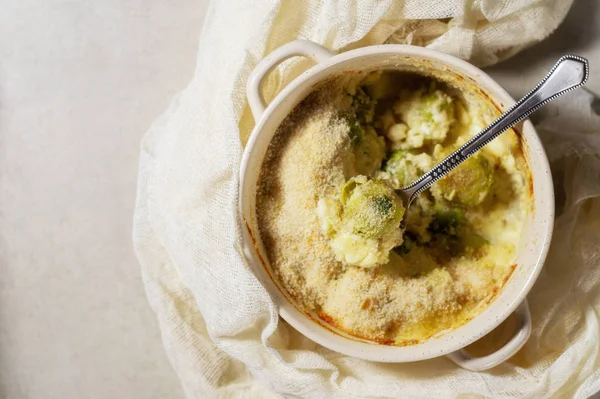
[[220, 328]]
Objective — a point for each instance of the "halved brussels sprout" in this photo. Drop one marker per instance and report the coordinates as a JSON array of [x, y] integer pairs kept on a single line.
[[469, 183], [371, 207], [363, 222], [408, 243], [402, 170], [447, 222], [405, 167], [451, 233]]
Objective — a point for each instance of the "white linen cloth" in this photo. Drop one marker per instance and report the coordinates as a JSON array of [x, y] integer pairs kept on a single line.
[[220, 328]]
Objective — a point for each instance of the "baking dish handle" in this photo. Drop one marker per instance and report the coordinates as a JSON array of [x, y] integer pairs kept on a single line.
[[304, 48], [467, 361]]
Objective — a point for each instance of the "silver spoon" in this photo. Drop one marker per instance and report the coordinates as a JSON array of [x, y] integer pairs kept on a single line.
[[569, 73]]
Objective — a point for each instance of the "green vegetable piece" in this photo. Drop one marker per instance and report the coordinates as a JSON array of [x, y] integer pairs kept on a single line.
[[402, 168], [469, 183], [396, 163], [447, 222], [363, 109], [371, 207], [369, 148], [453, 235], [408, 244], [363, 105], [356, 132]]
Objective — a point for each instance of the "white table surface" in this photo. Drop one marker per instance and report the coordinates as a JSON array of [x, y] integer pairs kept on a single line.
[[80, 82]]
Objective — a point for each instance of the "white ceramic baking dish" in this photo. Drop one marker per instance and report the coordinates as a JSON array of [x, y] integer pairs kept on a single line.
[[532, 249]]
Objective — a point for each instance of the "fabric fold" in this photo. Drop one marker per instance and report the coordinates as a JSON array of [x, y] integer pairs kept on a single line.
[[219, 326]]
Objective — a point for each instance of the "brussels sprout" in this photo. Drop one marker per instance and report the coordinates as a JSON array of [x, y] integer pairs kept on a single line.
[[405, 167], [356, 132], [402, 170], [363, 223], [469, 183], [361, 133], [363, 106], [452, 234], [408, 244], [369, 148], [371, 207], [447, 222]]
